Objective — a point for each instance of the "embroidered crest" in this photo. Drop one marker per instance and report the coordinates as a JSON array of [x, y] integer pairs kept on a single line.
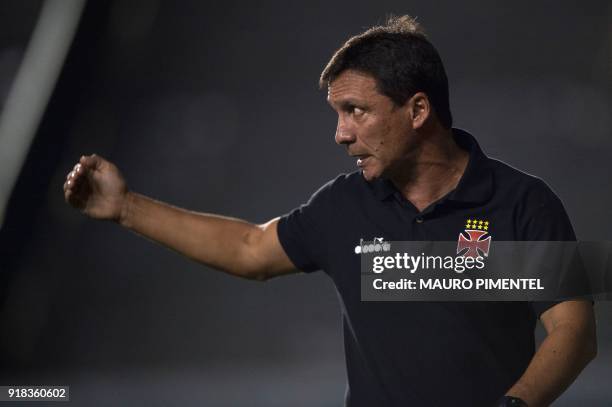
[[474, 244]]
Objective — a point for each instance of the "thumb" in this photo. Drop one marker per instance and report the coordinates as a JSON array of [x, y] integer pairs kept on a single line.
[[92, 162]]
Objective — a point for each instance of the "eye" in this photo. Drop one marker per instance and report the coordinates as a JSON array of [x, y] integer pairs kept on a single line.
[[356, 111]]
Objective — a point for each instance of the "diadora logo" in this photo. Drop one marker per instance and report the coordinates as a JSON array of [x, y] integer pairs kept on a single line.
[[376, 245], [474, 245]]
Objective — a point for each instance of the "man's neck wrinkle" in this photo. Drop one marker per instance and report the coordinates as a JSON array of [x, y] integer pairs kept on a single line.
[[433, 175]]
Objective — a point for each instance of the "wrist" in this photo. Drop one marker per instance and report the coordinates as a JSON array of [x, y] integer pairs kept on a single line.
[[124, 213]]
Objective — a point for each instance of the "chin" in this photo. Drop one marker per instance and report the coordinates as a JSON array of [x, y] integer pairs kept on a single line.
[[370, 174]]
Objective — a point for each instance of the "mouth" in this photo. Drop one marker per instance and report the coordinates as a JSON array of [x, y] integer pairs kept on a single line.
[[362, 159]]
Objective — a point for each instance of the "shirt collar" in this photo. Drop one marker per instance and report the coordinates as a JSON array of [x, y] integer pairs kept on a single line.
[[475, 185]]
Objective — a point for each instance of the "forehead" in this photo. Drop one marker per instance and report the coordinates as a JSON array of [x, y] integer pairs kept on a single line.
[[352, 84]]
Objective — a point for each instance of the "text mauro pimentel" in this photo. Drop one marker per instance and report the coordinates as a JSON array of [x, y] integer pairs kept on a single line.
[[458, 264]]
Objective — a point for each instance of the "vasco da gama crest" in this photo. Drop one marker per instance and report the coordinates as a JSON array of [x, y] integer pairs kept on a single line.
[[471, 242]]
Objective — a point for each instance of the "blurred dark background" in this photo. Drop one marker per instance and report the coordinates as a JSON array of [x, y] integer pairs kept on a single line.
[[214, 106]]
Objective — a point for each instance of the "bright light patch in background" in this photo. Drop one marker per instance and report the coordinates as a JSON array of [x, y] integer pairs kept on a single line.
[[31, 90]]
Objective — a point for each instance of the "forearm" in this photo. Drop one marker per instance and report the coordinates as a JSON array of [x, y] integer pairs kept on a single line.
[[556, 364], [217, 241]]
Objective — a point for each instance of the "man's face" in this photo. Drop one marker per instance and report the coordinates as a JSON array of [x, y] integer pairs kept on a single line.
[[370, 125]]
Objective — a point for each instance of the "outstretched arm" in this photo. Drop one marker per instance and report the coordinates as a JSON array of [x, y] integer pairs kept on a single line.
[[97, 188], [569, 346]]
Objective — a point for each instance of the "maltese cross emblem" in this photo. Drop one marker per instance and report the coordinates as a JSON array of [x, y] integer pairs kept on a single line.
[[474, 245]]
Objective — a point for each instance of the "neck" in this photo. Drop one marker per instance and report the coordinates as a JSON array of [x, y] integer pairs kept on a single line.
[[433, 170]]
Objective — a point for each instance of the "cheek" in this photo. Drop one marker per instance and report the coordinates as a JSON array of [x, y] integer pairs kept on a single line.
[[382, 138], [375, 136]]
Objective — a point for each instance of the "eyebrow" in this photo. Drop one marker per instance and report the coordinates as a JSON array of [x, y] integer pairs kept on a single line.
[[345, 103]]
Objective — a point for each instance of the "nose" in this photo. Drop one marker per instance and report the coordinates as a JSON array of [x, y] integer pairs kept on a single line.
[[344, 135]]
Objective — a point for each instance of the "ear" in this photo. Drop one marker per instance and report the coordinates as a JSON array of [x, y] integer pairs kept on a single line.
[[419, 109]]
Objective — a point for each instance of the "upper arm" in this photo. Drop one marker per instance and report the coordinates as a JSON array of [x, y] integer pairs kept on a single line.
[[266, 253], [575, 313], [297, 241]]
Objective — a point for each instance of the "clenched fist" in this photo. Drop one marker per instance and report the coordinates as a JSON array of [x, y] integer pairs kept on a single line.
[[97, 188]]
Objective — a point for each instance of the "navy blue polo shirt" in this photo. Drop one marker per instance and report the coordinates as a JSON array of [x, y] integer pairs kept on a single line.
[[426, 353]]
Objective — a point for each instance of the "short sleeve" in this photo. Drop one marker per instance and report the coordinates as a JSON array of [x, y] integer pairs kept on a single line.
[[303, 233], [545, 220]]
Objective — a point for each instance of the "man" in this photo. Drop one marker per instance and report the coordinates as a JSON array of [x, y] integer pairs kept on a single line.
[[418, 179]]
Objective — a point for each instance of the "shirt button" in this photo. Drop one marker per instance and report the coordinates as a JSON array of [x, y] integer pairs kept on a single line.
[[419, 219]]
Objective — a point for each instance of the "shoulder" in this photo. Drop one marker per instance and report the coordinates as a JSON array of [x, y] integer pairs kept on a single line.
[[526, 187], [343, 183], [349, 180], [539, 212]]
